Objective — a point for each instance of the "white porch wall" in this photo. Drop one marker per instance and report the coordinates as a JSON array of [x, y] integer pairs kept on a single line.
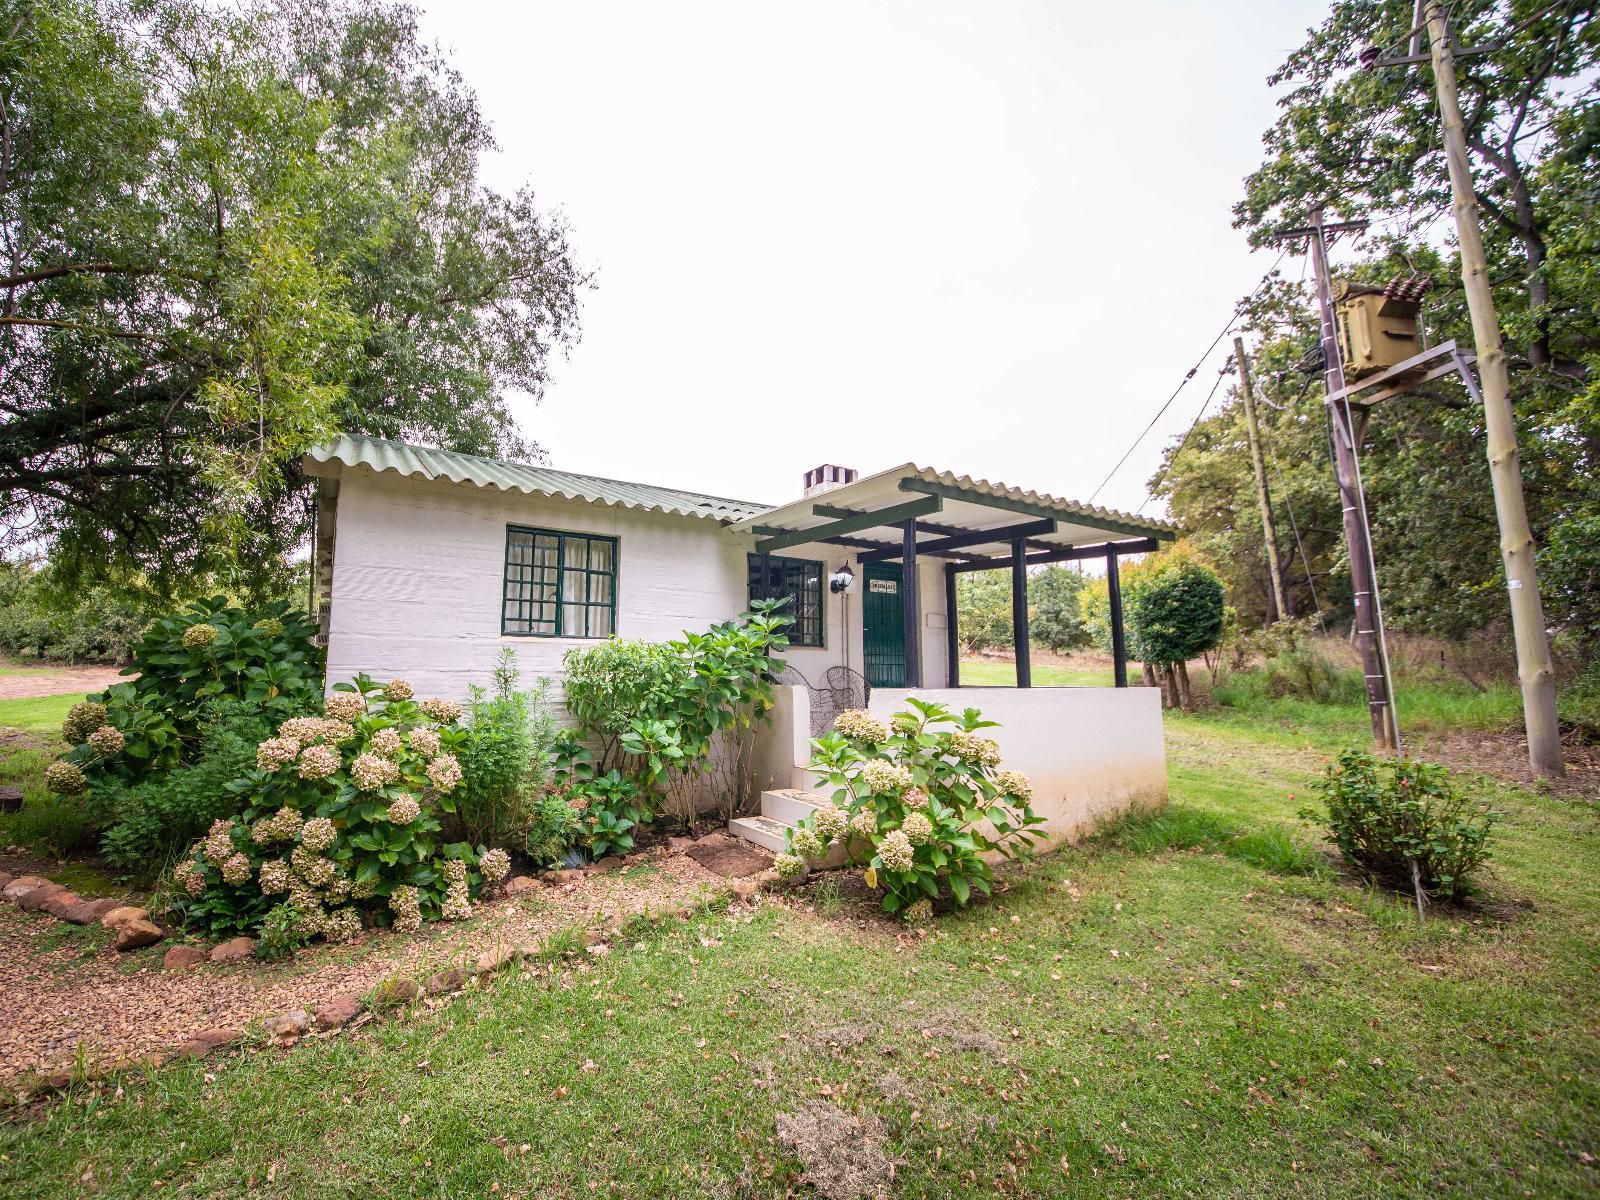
[[419, 566]]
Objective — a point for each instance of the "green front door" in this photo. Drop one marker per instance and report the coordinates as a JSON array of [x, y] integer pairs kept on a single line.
[[883, 626]]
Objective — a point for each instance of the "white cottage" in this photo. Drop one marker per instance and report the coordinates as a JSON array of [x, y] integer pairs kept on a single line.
[[429, 562]]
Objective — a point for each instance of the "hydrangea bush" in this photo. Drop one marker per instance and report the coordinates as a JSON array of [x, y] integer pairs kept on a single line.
[[340, 822], [920, 801]]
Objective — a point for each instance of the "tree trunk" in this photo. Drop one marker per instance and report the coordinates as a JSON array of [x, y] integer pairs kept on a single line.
[[1149, 675], [1185, 695]]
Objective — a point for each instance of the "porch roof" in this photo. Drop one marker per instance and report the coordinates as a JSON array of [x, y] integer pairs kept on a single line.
[[953, 515]]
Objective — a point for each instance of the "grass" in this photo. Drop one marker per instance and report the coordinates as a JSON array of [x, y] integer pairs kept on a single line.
[[30, 737], [985, 672], [1194, 1003]]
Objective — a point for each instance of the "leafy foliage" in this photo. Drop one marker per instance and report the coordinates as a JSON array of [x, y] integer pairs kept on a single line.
[[1055, 611], [920, 802], [38, 619], [233, 230], [504, 758], [1177, 612], [1391, 817]]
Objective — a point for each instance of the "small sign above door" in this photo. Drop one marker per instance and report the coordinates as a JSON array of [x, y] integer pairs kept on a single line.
[[883, 585]]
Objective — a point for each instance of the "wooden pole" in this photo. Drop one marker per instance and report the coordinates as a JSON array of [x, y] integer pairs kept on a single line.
[[1258, 464], [1356, 537], [1534, 667], [1119, 640], [952, 630], [909, 614], [1019, 612]]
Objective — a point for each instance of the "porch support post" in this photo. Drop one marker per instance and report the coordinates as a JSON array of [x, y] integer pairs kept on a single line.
[[952, 634], [908, 604], [1019, 612], [1119, 641]]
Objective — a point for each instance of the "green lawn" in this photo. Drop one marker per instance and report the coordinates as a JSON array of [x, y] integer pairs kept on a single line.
[[983, 672], [44, 824], [1194, 1004]]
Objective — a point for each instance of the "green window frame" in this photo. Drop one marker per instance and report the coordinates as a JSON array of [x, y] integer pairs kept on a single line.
[[558, 584], [800, 581]]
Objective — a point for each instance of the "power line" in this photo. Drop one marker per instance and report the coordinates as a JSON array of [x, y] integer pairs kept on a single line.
[[1160, 412], [1149, 496]]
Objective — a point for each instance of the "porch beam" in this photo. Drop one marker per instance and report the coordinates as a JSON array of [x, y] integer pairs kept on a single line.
[[974, 537], [893, 515], [949, 491], [1019, 612], [1067, 554], [871, 546], [1119, 640], [910, 612], [952, 635]]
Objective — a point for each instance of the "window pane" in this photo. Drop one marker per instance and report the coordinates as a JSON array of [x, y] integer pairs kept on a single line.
[[572, 587], [600, 622], [558, 582], [577, 554], [599, 589], [599, 556]]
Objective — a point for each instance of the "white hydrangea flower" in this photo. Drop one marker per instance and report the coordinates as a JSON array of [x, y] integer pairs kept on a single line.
[[106, 741], [1014, 784], [397, 689], [918, 828], [274, 877], [342, 925], [895, 850], [443, 711], [404, 810], [407, 909], [830, 821], [859, 724], [805, 842], [344, 706], [304, 730], [276, 753], [424, 741], [285, 823], [919, 911], [318, 762], [333, 731], [975, 750], [457, 904], [444, 772], [235, 869], [455, 871], [197, 637], [886, 778], [385, 742], [64, 778], [189, 877], [914, 798], [371, 772], [218, 843], [495, 865], [318, 834], [318, 872], [864, 823], [789, 866]]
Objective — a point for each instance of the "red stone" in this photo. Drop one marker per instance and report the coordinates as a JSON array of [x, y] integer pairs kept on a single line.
[[233, 950], [181, 958], [339, 1011]]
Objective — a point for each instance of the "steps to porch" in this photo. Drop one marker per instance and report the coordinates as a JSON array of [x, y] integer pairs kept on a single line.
[[780, 811]]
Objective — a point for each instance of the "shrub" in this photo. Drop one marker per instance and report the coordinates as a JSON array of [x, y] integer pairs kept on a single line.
[[341, 817], [553, 831], [921, 800], [504, 758], [611, 685], [40, 618], [1177, 614], [1406, 823], [1303, 670]]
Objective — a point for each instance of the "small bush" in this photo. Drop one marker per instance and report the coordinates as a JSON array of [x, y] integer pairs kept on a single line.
[[554, 830], [1304, 672], [505, 757], [1388, 816]]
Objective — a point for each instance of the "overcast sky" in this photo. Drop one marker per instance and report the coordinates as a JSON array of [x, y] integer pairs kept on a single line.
[[987, 237]]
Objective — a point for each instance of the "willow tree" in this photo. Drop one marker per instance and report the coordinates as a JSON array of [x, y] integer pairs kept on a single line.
[[225, 233]]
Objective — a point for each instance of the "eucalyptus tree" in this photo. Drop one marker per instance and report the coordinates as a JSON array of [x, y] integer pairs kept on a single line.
[[225, 233]]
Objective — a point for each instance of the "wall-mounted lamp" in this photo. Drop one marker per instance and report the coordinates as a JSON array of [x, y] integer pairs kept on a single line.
[[842, 580]]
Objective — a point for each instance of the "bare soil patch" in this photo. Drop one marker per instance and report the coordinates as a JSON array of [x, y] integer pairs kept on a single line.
[[56, 679], [1503, 755]]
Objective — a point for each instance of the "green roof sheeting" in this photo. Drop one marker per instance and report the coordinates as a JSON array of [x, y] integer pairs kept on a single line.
[[380, 454]]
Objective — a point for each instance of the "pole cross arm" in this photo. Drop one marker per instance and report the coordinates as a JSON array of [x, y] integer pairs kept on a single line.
[[1442, 350]]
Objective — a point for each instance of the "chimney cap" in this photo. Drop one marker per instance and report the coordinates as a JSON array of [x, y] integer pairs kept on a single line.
[[827, 477]]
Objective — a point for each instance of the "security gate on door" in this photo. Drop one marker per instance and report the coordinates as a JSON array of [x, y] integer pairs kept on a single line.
[[883, 626]]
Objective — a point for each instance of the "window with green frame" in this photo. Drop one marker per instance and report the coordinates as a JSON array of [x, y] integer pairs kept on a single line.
[[799, 581], [559, 584]]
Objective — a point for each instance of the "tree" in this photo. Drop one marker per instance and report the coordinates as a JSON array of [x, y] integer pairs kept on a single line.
[[1177, 613], [983, 608], [1055, 610], [226, 233]]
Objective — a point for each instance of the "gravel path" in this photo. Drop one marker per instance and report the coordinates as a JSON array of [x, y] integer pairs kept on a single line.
[[64, 986]]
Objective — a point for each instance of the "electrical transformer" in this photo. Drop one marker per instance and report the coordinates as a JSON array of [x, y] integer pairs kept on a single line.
[[1377, 327]]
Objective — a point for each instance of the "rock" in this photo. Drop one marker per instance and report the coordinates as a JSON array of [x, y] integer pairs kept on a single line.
[[493, 959], [181, 958], [34, 901], [444, 982], [609, 863], [114, 918], [339, 1011], [715, 838], [208, 1040], [746, 889], [392, 993], [5, 880], [87, 912], [629, 860], [518, 884], [23, 883], [135, 933], [567, 875], [233, 950], [61, 903], [10, 799], [677, 845], [290, 1027]]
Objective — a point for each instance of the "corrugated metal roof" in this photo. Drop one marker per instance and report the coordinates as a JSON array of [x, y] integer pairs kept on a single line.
[[799, 514], [380, 454]]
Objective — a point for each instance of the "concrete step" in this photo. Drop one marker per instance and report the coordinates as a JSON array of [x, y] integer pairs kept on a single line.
[[763, 831], [790, 805]]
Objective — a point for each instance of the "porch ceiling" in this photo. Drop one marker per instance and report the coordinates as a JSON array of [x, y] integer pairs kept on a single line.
[[952, 513]]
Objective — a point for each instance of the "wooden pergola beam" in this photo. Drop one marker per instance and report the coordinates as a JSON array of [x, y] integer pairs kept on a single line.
[[972, 537], [1066, 554], [895, 514], [949, 491]]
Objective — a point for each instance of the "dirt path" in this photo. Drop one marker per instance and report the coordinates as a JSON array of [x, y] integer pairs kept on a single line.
[[54, 680], [65, 987]]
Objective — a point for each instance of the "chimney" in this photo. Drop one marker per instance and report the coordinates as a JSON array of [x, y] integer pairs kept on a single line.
[[827, 477]]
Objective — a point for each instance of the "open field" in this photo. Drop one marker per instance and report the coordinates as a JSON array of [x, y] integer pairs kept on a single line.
[[1198, 1003]]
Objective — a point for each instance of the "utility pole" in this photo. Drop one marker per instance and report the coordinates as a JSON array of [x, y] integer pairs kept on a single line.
[[1357, 539], [1258, 463], [1505, 468]]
